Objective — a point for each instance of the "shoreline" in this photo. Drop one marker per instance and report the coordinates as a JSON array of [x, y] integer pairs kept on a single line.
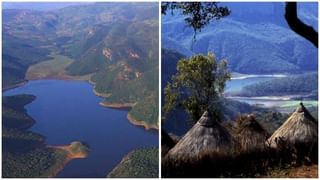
[[141, 123], [126, 106], [61, 76], [69, 157], [117, 105], [239, 76], [103, 95], [15, 86], [271, 98]]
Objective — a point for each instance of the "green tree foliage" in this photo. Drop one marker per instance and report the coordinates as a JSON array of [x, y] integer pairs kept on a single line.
[[198, 14], [197, 86], [14, 115], [24, 153], [40, 162], [139, 163]]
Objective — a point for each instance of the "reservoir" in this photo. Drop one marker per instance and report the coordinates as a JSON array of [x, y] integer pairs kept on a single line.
[[67, 111], [281, 103]]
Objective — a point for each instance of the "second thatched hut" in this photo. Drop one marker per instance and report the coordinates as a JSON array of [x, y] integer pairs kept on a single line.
[[250, 134]]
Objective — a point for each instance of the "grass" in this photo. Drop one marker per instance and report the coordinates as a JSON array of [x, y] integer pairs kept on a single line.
[[50, 68], [265, 163], [294, 172]]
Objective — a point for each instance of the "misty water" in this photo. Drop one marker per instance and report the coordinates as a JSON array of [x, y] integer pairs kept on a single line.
[[279, 102], [67, 111]]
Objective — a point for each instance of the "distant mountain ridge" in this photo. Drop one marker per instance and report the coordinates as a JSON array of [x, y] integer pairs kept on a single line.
[[39, 6], [254, 38]]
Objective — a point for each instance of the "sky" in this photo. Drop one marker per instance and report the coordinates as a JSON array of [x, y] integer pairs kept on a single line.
[[40, 6]]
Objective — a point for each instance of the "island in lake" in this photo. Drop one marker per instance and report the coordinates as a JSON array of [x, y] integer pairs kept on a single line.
[[80, 81]]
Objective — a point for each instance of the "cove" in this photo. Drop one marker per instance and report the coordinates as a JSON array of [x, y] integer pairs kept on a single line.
[[67, 111]]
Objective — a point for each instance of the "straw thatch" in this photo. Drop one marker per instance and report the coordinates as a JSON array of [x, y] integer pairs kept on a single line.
[[250, 134], [299, 128], [206, 136]]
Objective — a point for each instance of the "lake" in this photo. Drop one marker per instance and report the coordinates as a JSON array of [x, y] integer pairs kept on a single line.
[[67, 111], [282, 103]]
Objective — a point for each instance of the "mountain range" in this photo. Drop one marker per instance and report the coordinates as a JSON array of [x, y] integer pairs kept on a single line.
[[254, 38]]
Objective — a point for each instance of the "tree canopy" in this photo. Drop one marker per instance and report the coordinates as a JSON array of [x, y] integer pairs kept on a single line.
[[198, 14], [197, 86]]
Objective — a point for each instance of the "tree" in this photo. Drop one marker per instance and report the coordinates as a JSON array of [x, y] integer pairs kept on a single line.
[[197, 86], [298, 26], [198, 14]]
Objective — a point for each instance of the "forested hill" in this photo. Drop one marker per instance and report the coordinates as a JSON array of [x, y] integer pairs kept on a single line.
[[254, 39], [24, 153], [116, 43], [305, 84]]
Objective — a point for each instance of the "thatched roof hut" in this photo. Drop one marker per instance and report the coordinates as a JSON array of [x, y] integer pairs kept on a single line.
[[206, 136], [250, 134], [299, 128]]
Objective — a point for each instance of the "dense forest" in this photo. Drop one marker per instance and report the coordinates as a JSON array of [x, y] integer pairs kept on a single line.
[[305, 84], [255, 39], [140, 163], [24, 153]]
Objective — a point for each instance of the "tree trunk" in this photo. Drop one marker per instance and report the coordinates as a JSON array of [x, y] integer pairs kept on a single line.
[[298, 26]]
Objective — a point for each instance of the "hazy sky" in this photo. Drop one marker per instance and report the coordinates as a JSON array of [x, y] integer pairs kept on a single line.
[[40, 6]]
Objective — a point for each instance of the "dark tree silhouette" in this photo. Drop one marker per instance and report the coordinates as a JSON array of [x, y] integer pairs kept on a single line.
[[298, 26], [198, 14]]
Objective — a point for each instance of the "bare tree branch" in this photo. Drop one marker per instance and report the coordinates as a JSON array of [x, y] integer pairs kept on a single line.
[[298, 26]]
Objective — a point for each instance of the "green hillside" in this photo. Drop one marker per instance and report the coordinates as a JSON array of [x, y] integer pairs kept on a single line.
[[13, 112], [297, 84], [140, 163], [18, 55], [115, 42], [24, 153]]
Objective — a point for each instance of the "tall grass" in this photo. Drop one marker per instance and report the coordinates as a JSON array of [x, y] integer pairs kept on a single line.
[[239, 163]]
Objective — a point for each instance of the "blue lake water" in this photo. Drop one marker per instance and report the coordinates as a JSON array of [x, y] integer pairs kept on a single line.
[[67, 111]]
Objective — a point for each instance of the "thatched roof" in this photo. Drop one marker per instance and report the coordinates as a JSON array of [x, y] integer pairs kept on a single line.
[[299, 128], [250, 134], [206, 136]]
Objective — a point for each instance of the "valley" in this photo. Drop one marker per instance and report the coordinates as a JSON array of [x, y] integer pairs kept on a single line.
[[239, 90], [93, 70], [122, 69]]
